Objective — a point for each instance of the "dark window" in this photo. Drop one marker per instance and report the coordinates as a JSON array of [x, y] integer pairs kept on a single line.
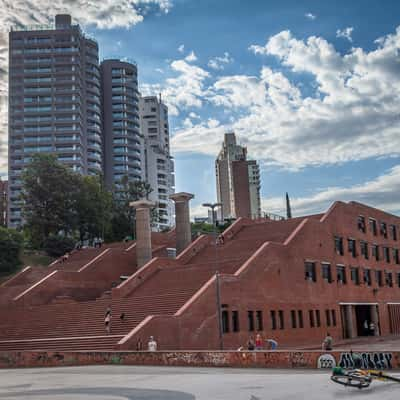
[[339, 245], [328, 317], [300, 317], [259, 319], [378, 277], [393, 232], [361, 223], [281, 320], [367, 276], [355, 275], [273, 320], [326, 272], [386, 254], [372, 226], [311, 315], [364, 249], [293, 318], [235, 321], [389, 278], [375, 252], [352, 247], [318, 317], [384, 229], [225, 321], [398, 279], [310, 273], [250, 318], [396, 257], [341, 273], [333, 317]]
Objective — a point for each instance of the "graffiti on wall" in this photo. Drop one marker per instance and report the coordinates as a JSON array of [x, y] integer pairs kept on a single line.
[[326, 361], [373, 360]]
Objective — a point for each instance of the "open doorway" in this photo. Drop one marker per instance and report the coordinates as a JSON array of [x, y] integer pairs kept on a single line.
[[363, 318]]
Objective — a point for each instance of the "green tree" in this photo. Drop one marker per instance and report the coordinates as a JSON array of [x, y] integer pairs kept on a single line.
[[11, 243]]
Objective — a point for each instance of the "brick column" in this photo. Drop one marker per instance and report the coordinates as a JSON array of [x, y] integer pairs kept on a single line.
[[182, 220], [348, 312], [375, 319], [143, 231]]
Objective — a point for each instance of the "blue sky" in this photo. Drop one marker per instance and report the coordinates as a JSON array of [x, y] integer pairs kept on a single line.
[[304, 85]]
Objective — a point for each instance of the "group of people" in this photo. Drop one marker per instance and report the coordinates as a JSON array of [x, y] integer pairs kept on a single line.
[[259, 344]]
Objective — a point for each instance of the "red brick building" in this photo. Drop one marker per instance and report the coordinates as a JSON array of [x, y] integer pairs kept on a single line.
[[290, 280]]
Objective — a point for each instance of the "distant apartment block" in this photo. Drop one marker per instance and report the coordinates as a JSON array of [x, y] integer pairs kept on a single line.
[[3, 202], [121, 129], [54, 102], [238, 181], [158, 164]]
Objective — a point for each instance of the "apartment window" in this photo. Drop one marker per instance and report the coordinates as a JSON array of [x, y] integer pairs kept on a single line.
[[378, 277], [328, 317], [311, 317], [373, 226], [389, 278], [281, 319], [398, 279], [367, 276], [361, 223], [364, 249], [259, 320], [339, 245], [225, 321], [383, 229], [375, 252], [352, 247], [318, 318], [310, 272], [250, 318], [326, 272], [333, 312], [386, 254], [341, 273], [393, 232], [235, 321], [273, 319], [293, 319], [300, 318], [396, 257], [355, 276]]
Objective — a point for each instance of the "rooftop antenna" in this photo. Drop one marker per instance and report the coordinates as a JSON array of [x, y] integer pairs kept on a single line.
[[159, 95], [288, 209]]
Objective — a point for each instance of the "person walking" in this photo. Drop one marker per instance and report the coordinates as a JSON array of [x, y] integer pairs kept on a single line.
[[250, 344], [272, 343], [327, 344], [259, 342], [152, 345]]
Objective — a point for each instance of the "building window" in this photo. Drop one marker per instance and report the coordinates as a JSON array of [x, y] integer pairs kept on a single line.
[[378, 277], [333, 317], [398, 279], [310, 272], [250, 318], [293, 319], [328, 317], [361, 223], [225, 321], [364, 249], [375, 252], [326, 272], [273, 319], [259, 319], [352, 247], [372, 226], [318, 318], [235, 321], [339, 245], [386, 254], [341, 273], [384, 229], [367, 276], [281, 319], [389, 278], [393, 232], [355, 276], [396, 257], [311, 316], [300, 318]]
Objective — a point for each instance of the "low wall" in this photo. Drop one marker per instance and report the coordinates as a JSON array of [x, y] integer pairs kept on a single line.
[[245, 359]]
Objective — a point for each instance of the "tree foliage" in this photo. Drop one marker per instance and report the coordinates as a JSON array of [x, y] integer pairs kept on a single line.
[[11, 243]]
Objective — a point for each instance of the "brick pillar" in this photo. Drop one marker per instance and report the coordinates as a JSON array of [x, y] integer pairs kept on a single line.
[[348, 315], [182, 220], [143, 231], [375, 319]]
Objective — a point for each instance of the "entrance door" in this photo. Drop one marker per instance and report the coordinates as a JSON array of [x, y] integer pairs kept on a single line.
[[394, 318], [363, 318]]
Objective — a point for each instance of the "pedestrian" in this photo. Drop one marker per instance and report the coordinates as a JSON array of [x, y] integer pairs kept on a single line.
[[107, 320], [152, 345], [250, 344], [272, 344], [372, 328], [259, 342], [139, 345], [122, 317], [327, 344]]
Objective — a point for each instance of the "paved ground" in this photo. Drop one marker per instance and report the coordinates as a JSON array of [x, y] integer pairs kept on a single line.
[[169, 383]]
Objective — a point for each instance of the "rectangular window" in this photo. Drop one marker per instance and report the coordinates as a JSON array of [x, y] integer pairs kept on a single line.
[[333, 312], [318, 318], [367, 276], [361, 223], [235, 321], [341, 274], [339, 245], [386, 254], [326, 272], [364, 250], [352, 247], [328, 317], [300, 318], [398, 279], [389, 279], [383, 229], [311, 316], [378, 277], [393, 232], [259, 319], [281, 320], [355, 276], [273, 319], [293, 319], [310, 272], [250, 318], [375, 252], [225, 321], [396, 257], [373, 226]]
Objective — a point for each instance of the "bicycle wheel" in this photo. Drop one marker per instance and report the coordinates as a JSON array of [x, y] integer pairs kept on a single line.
[[352, 379]]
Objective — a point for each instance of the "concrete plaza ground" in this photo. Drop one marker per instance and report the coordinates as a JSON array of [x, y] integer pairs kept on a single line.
[[173, 383]]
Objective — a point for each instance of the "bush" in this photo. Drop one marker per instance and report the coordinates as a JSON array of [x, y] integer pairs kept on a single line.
[[10, 249], [56, 246]]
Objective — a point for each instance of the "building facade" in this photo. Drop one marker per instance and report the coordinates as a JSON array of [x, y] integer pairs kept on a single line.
[[158, 163], [238, 181], [54, 102], [3, 202], [121, 130]]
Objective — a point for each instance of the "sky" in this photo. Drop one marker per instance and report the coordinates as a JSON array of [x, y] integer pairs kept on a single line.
[[312, 88]]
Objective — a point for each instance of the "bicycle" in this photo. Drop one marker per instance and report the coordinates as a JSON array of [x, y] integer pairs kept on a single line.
[[359, 378]]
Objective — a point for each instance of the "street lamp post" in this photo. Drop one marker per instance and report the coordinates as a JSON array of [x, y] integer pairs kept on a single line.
[[213, 206]]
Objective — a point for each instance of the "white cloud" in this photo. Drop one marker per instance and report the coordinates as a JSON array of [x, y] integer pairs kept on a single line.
[[181, 48], [191, 57], [310, 16], [219, 63], [382, 192], [345, 33]]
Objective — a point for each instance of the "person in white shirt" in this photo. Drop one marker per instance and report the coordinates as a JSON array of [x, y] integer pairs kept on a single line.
[[152, 345]]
